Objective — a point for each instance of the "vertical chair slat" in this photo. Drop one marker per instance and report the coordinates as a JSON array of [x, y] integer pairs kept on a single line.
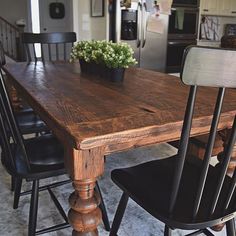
[[42, 53], [57, 52], [227, 154], [231, 191], [209, 148], [34, 52], [27, 48], [183, 146], [6, 38], [49, 52], [226, 160], [11, 42], [64, 47]]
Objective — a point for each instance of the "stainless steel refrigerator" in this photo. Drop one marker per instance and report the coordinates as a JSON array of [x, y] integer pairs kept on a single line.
[[139, 23]]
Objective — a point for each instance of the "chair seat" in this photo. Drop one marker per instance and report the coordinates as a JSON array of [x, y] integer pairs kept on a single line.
[[149, 185], [30, 123], [44, 150], [46, 158]]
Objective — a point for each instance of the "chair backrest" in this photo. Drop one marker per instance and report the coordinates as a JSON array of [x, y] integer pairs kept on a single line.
[[54, 46], [11, 138], [205, 66], [213, 67]]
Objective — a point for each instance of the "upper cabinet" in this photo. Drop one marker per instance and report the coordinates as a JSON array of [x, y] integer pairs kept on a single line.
[[233, 7], [209, 7], [218, 7]]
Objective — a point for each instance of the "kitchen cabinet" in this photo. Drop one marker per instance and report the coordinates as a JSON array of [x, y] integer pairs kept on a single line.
[[233, 7], [224, 7], [218, 7], [209, 7]]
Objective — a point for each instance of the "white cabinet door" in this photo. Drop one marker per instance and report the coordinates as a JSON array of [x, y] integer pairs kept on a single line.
[[209, 7], [233, 8], [224, 7], [218, 7]]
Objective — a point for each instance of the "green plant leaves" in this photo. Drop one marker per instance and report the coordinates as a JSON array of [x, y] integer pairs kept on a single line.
[[112, 55]]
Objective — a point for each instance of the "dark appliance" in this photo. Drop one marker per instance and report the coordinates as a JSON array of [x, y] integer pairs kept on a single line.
[[230, 29], [186, 3], [186, 30], [182, 32], [229, 38], [128, 24], [175, 50]]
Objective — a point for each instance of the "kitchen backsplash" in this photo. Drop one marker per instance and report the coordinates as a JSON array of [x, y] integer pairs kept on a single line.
[[212, 27]]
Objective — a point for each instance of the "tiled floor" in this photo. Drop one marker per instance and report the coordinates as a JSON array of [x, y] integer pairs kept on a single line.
[[136, 221]]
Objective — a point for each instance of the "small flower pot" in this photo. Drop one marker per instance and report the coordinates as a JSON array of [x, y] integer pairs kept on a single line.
[[114, 74], [90, 68], [84, 66], [111, 74]]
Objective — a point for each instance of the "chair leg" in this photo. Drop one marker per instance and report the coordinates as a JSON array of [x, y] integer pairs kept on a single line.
[[167, 231], [17, 190], [230, 228], [12, 183], [33, 208], [119, 214], [103, 209]]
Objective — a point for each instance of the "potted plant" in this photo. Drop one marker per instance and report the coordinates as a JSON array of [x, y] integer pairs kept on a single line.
[[106, 59]]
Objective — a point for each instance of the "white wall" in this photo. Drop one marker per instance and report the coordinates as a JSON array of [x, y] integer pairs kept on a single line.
[[13, 10], [88, 27]]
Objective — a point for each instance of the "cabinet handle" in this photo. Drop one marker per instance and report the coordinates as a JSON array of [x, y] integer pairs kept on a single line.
[[205, 10], [233, 12]]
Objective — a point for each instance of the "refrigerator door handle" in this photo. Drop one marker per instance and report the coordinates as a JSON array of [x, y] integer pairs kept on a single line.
[[144, 28], [118, 21], [139, 33]]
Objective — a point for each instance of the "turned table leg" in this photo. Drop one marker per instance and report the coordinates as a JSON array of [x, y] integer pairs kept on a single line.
[[84, 166], [84, 215]]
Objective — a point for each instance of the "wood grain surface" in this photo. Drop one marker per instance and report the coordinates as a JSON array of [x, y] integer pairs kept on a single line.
[[88, 112]]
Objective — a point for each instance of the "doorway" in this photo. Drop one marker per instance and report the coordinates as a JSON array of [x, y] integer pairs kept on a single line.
[[51, 16]]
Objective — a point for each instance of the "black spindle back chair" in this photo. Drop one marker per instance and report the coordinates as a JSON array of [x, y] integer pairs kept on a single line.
[[38, 165], [46, 160], [54, 46], [29, 122], [183, 193]]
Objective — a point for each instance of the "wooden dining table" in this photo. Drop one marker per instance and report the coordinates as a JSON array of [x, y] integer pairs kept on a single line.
[[94, 117]]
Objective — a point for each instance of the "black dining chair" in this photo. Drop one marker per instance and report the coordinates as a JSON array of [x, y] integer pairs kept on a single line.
[[181, 192], [28, 121], [32, 160], [55, 46]]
